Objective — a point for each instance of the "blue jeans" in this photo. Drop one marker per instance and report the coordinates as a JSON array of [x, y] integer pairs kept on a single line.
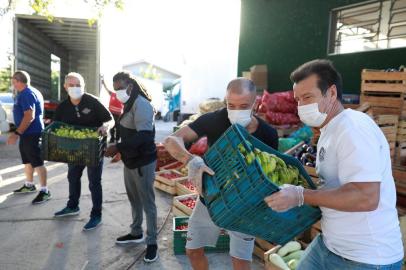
[[94, 174], [317, 256]]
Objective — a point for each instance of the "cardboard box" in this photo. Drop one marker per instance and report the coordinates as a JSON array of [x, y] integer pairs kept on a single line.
[[259, 75]]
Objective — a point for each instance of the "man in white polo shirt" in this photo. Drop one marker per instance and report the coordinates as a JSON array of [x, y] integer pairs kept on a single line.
[[360, 226]]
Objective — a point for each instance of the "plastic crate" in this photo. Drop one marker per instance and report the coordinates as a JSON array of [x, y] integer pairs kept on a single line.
[[179, 239], [87, 152], [235, 194]]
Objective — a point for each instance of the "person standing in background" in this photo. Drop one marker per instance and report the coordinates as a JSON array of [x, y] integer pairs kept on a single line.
[[28, 116], [116, 109]]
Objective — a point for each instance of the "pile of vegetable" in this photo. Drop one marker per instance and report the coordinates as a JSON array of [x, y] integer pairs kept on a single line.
[[288, 256], [274, 167], [70, 132], [306, 155], [279, 108]]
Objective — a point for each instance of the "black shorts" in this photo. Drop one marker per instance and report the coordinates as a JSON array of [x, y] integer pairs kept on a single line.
[[30, 150]]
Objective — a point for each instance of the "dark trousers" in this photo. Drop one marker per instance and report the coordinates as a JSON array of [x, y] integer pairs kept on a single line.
[[115, 131], [94, 174]]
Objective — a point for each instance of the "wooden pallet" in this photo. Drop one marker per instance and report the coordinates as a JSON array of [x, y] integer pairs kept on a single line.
[[384, 91]]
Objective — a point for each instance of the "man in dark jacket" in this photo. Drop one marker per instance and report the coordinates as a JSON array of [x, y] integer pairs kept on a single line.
[[86, 110]]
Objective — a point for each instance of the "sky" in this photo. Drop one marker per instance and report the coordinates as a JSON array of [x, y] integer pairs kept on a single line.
[[164, 32]]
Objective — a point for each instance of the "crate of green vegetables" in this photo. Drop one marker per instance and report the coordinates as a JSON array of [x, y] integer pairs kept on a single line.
[[180, 227], [247, 171], [72, 144]]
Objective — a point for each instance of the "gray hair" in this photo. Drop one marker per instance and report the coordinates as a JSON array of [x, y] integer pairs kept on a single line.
[[22, 76], [240, 84], [77, 76]]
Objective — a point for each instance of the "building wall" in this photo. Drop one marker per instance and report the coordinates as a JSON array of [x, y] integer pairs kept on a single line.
[[285, 34]]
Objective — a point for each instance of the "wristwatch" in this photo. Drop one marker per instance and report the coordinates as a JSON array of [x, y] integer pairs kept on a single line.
[[17, 133]]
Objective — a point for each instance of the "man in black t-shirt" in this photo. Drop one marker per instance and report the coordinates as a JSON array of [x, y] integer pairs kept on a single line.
[[83, 109], [241, 96]]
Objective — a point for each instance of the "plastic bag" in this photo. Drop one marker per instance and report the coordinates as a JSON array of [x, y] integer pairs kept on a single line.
[[200, 147], [278, 118], [283, 102]]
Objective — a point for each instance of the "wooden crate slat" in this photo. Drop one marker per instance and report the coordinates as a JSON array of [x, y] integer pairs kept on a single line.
[[165, 188], [376, 75], [383, 87], [383, 101]]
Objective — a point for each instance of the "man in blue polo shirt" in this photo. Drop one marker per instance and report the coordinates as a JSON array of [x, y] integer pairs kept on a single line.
[[28, 117]]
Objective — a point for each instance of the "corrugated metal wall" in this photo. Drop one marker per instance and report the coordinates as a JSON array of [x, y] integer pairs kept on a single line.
[[33, 54], [33, 49]]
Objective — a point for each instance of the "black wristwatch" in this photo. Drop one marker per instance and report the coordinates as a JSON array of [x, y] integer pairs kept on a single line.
[[17, 133]]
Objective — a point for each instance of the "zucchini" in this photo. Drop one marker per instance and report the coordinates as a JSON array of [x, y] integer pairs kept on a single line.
[[290, 247], [292, 264], [293, 255], [278, 261]]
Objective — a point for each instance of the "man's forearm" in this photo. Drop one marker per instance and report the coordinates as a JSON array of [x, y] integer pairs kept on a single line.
[[176, 148], [25, 123], [347, 198]]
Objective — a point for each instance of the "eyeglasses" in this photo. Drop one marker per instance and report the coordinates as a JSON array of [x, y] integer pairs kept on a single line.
[[77, 111]]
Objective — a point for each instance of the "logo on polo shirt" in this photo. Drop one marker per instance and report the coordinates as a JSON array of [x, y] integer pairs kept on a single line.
[[86, 111], [322, 153]]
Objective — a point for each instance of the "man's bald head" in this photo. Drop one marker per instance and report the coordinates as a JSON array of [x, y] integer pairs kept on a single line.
[[240, 85], [241, 94]]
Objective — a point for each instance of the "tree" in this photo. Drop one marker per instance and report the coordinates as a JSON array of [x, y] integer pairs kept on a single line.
[[42, 7], [5, 79]]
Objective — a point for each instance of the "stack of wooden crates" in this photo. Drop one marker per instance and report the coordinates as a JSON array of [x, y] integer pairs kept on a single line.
[[385, 92]]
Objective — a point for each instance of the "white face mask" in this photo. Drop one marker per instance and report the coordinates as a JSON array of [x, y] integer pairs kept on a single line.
[[241, 117], [76, 92], [310, 115], [122, 95]]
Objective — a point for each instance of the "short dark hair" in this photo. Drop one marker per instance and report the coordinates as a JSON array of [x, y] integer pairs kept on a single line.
[[22, 76], [325, 70]]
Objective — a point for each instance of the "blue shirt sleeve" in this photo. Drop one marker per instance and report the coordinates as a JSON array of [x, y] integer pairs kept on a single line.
[[27, 101]]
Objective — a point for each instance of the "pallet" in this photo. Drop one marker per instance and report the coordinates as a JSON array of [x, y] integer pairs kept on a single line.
[[181, 189], [401, 136]]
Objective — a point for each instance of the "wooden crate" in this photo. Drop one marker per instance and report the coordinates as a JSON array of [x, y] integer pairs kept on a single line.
[[160, 177], [178, 212], [176, 203], [389, 126], [261, 246], [401, 136], [165, 188], [181, 189], [384, 91]]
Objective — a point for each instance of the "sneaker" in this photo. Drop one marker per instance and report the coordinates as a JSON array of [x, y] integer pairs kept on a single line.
[[151, 254], [93, 223], [67, 212], [126, 239], [42, 197], [24, 189]]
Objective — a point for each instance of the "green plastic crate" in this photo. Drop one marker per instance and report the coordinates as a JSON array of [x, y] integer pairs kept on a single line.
[[87, 152], [179, 239]]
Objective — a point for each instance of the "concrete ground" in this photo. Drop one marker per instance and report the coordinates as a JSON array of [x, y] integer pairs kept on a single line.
[[30, 238]]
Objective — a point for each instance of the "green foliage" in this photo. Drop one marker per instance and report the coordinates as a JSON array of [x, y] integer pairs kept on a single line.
[[5, 79]]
